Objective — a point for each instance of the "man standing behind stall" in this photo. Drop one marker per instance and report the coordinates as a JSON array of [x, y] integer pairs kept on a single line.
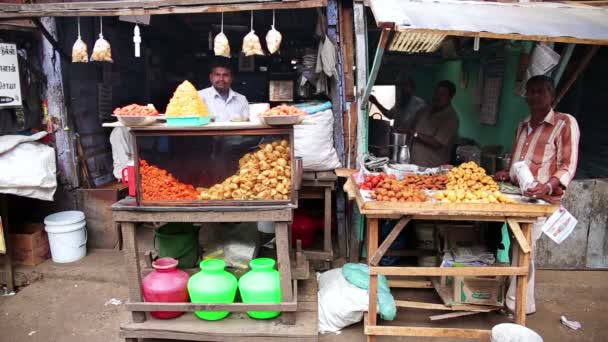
[[405, 109], [435, 128], [224, 103], [548, 142]]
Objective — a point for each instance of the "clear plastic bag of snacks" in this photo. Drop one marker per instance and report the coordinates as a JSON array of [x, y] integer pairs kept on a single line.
[[102, 51], [273, 40], [79, 52], [221, 46]]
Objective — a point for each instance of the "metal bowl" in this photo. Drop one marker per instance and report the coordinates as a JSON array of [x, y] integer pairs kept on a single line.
[[282, 120], [135, 121]]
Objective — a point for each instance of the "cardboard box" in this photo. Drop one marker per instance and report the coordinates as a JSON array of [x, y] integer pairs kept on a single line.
[[29, 245], [459, 235], [479, 290]]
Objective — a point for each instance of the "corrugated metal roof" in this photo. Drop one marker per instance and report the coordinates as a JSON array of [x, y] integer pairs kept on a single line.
[[540, 21]]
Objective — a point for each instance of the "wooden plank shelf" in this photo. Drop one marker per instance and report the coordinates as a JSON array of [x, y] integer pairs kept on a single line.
[[236, 327]]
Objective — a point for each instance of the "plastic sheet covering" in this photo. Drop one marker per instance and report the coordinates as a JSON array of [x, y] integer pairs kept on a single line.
[[28, 167], [557, 20]]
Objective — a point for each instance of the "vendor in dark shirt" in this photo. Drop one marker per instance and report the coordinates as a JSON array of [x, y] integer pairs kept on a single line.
[[435, 128]]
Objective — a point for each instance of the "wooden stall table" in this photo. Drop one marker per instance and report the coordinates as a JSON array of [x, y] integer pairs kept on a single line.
[[320, 185], [519, 217], [301, 326]]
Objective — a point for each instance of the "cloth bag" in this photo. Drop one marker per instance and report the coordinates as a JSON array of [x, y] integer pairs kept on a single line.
[[314, 142]]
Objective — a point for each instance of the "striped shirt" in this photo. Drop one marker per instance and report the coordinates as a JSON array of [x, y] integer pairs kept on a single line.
[[234, 108], [550, 149]]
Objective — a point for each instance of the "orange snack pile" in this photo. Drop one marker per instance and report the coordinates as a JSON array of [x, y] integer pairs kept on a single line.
[[159, 185], [426, 182], [284, 110], [392, 190], [136, 110]]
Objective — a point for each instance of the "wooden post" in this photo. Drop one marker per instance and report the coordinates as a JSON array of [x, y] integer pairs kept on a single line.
[[327, 244], [591, 50], [64, 137], [132, 264], [384, 37], [284, 265], [522, 280], [8, 260], [372, 246], [374, 259], [346, 35]]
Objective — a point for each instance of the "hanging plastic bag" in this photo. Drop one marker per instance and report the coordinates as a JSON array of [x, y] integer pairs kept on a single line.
[[221, 47], [251, 42], [102, 52], [273, 38], [79, 50]]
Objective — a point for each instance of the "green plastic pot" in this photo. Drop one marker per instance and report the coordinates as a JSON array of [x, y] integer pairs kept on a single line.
[[261, 285], [178, 241], [212, 285]]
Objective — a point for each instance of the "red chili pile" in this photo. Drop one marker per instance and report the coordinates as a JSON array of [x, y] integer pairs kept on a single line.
[[159, 185]]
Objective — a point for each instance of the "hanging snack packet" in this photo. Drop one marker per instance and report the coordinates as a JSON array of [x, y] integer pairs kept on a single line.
[[102, 52], [79, 52], [221, 46], [273, 40], [252, 45]]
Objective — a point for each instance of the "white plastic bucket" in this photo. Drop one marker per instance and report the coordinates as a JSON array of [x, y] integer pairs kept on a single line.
[[509, 332], [67, 236]]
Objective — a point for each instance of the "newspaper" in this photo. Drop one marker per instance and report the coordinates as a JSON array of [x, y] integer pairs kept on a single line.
[[559, 225]]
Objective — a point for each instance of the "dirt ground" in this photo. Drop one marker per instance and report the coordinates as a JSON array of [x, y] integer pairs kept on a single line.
[[70, 304]]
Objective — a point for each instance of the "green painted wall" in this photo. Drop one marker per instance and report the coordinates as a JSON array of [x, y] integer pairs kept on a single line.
[[512, 110]]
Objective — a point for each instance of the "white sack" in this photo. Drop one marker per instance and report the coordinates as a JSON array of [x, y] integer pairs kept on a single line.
[[340, 303], [28, 168], [314, 142]]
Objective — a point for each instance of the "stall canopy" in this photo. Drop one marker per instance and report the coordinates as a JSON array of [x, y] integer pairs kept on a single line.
[[148, 7], [420, 26], [539, 21]]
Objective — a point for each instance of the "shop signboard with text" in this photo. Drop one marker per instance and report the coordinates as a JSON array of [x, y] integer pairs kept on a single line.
[[10, 87]]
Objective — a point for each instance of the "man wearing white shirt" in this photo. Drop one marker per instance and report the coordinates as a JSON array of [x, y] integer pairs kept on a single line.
[[224, 103]]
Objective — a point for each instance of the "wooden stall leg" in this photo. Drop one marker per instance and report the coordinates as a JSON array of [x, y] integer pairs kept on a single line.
[[372, 246], [327, 247], [283, 260], [522, 281], [8, 259], [133, 272]]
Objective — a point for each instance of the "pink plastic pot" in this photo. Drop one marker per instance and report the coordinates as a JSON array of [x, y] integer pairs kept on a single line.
[[165, 284]]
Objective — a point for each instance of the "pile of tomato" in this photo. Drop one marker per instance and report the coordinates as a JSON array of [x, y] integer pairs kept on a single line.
[[371, 181]]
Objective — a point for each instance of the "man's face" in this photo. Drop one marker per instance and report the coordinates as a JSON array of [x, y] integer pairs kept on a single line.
[[538, 96], [221, 78], [442, 97]]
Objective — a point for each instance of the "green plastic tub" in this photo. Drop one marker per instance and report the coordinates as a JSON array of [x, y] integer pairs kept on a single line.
[[178, 241], [188, 121]]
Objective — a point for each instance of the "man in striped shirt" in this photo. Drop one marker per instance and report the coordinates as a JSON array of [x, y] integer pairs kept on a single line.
[[548, 142]]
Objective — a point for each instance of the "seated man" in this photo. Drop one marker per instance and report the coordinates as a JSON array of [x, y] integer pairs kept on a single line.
[[224, 103]]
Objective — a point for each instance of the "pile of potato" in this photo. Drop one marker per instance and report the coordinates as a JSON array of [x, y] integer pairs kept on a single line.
[[467, 196], [262, 175], [470, 177]]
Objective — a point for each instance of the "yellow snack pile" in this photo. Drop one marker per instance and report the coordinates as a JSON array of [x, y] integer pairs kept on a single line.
[[186, 102], [469, 183], [469, 176], [262, 175]]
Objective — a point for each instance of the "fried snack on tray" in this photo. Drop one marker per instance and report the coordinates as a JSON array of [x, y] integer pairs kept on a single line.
[[284, 110], [469, 183], [263, 175], [159, 185], [392, 190], [426, 182], [136, 110], [469, 176]]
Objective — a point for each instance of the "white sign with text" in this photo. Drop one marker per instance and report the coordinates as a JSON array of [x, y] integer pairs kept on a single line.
[[10, 87]]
